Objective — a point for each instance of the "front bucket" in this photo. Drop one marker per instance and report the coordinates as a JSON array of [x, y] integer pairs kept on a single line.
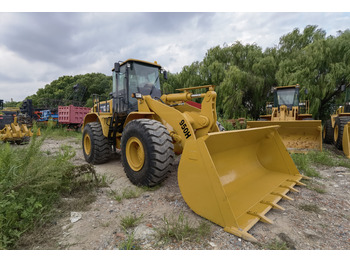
[[346, 140], [298, 135], [234, 178]]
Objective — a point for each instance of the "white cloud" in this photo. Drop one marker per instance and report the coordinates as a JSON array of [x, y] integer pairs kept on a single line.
[[37, 48]]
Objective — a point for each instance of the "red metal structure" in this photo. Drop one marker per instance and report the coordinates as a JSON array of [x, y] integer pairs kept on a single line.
[[72, 116]]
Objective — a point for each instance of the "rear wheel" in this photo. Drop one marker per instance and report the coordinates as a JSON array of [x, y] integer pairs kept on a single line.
[[147, 152], [327, 132], [96, 148], [340, 122]]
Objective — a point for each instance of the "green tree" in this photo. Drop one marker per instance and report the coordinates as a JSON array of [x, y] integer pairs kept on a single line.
[[316, 62]]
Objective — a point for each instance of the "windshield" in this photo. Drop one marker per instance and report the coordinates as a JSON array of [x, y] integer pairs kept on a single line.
[[287, 96], [143, 78]]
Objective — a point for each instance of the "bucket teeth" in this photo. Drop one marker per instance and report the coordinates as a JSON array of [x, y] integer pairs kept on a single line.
[[275, 206], [261, 217], [305, 177], [243, 234], [282, 195], [296, 182], [290, 188]]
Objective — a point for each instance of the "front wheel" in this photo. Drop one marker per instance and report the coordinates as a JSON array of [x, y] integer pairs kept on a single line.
[[340, 122], [96, 148], [327, 132], [147, 152]]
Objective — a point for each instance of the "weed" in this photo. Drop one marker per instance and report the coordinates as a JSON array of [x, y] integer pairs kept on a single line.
[[31, 184], [105, 181], [180, 229], [129, 244], [127, 193], [233, 124], [130, 221], [317, 187], [303, 163], [323, 158], [105, 224], [310, 208], [60, 132], [276, 244]]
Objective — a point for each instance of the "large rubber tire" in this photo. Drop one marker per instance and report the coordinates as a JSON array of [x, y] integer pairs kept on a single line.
[[328, 132], [340, 122], [147, 152], [96, 148]]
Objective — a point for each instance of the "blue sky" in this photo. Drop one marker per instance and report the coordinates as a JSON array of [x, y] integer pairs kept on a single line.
[[39, 47]]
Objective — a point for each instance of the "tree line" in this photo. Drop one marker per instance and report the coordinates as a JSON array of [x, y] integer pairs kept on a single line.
[[243, 75]]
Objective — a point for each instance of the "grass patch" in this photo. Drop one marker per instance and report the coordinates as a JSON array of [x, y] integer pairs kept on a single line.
[[180, 229], [126, 193], [317, 187], [32, 184], [276, 244], [304, 162], [233, 124], [60, 132], [310, 208], [130, 221], [129, 244]]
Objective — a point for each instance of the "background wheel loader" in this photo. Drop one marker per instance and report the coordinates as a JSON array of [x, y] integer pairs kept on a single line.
[[298, 130], [10, 129], [337, 129], [232, 178]]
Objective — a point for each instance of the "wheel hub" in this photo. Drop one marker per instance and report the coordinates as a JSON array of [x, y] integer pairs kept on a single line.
[[135, 154], [336, 133], [87, 144]]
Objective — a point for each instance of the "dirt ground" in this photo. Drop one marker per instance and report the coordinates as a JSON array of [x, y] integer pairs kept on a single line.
[[315, 220]]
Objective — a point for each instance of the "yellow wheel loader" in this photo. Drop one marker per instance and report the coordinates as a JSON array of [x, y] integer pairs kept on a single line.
[[337, 129], [14, 132], [232, 178], [298, 130]]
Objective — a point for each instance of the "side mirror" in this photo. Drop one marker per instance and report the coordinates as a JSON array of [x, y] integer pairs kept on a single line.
[[165, 74], [117, 67]]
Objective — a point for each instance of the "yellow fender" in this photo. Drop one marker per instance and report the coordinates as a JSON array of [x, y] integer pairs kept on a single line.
[[346, 140]]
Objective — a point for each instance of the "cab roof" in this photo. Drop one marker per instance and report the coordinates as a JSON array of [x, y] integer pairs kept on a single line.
[[140, 61], [280, 87]]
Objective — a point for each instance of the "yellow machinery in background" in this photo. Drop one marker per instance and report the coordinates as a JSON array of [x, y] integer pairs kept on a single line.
[[337, 129], [16, 133], [232, 178], [10, 129], [298, 130]]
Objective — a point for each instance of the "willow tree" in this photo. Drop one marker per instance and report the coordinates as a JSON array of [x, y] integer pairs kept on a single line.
[[243, 75], [318, 63]]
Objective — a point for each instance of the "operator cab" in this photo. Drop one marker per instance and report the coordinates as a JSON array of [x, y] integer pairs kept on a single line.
[[288, 96], [134, 76]]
